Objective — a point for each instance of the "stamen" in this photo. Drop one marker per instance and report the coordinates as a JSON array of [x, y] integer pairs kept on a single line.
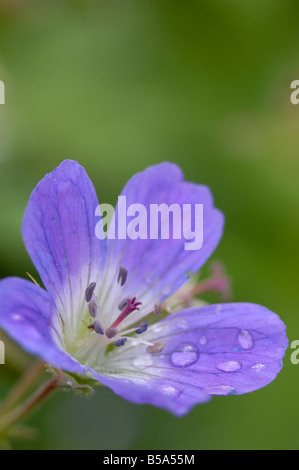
[[120, 342], [156, 348], [131, 306], [158, 308], [138, 340], [152, 348], [98, 328], [122, 276], [89, 291], [93, 307], [110, 332], [141, 328], [122, 304], [32, 279], [217, 282]]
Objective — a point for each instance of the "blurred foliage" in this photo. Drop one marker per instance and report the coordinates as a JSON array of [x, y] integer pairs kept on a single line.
[[122, 85]]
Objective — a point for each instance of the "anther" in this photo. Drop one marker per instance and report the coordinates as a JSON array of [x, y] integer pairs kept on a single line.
[[141, 328], [158, 308], [122, 304], [89, 291], [156, 348], [111, 332], [98, 328], [120, 342], [93, 307], [122, 276]]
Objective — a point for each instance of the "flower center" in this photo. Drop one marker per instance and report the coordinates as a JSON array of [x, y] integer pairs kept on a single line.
[[115, 333]]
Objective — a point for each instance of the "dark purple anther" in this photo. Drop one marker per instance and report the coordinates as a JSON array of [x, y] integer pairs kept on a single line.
[[93, 308], [111, 332], [98, 328], [120, 342], [89, 291], [122, 275], [141, 328]]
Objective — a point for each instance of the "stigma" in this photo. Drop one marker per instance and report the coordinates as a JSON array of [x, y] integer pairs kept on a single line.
[[130, 307]]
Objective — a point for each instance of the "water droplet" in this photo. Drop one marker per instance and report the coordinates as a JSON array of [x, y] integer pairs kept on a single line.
[[203, 340], [171, 391], [185, 355], [259, 367], [16, 317], [245, 339], [229, 366], [143, 361], [220, 390], [183, 324], [158, 328], [53, 219]]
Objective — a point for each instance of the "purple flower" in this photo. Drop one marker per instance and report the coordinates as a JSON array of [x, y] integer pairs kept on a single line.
[[98, 293]]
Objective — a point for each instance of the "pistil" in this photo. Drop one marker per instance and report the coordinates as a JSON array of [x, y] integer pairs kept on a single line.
[[130, 307]]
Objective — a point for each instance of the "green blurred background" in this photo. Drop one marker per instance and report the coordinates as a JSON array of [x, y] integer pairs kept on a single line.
[[120, 85]]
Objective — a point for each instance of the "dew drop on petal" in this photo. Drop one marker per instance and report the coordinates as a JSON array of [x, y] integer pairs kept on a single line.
[[185, 355], [245, 339], [203, 340], [182, 324], [220, 390], [171, 391], [259, 367], [229, 366], [16, 317], [143, 361]]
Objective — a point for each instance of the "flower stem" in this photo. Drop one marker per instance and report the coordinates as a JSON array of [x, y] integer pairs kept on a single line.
[[25, 383], [25, 408]]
